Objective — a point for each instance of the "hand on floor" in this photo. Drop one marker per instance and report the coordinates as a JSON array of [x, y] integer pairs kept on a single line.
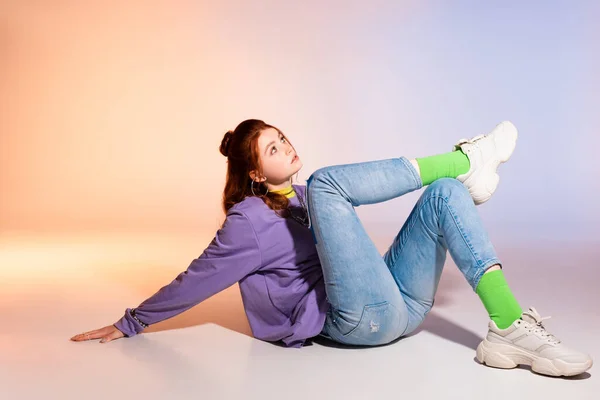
[[105, 335]]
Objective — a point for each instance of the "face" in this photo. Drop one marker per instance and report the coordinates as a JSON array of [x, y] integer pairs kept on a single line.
[[278, 160]]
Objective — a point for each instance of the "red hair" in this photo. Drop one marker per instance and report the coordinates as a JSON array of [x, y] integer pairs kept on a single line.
[[240, 146]]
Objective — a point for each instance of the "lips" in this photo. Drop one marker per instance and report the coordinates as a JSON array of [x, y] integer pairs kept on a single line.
[[294, 159]]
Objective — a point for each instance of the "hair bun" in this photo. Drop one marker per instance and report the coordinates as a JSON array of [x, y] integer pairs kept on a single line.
[[224, 149]]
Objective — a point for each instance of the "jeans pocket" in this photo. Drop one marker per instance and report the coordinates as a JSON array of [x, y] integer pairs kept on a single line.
[[379, 324]]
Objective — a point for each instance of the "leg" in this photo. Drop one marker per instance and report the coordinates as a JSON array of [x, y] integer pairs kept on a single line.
[[444, 218], [366, 307]]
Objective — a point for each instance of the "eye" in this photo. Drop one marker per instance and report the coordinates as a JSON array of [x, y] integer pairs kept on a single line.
[[275, 148]]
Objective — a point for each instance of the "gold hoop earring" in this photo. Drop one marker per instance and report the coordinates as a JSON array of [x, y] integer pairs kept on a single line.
[[252, 189]]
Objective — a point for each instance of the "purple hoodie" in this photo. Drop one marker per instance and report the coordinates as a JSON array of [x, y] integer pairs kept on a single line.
[[275, 261]]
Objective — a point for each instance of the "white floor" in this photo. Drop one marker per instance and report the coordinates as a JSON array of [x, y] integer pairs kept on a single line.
[[52, 287]]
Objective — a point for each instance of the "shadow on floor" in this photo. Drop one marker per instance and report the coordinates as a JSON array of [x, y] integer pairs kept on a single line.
[[448, 330], [433, 323]]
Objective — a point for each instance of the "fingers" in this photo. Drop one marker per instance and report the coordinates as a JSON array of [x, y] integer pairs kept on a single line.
[[86, 336], [106, 334], [96, 334]]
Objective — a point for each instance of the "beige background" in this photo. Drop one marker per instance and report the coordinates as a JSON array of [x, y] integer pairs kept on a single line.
[[111, 115]]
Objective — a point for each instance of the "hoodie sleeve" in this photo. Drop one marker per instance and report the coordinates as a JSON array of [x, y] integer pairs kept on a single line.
[[232, 255]]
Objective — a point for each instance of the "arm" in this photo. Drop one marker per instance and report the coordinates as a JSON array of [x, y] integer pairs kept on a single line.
[[232, 255]]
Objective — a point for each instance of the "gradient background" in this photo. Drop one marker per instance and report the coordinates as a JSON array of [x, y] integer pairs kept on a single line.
[[111, 116], [111, 113]]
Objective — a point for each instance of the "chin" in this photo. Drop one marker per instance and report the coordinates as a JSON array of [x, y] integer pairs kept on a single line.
[[297, 166]]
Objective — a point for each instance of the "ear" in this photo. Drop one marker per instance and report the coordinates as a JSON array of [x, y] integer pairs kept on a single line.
[[253, 176]]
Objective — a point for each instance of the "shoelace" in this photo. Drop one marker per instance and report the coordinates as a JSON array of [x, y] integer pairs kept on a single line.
[[474, 141], [538, 328]]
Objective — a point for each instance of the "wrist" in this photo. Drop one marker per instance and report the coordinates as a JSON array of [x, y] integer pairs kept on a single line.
[[132, 313]]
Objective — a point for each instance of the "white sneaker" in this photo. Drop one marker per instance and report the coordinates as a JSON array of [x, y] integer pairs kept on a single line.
[[527, 342], [486, 153]]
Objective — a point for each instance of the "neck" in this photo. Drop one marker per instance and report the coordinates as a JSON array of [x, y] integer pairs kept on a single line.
[[284, 185]]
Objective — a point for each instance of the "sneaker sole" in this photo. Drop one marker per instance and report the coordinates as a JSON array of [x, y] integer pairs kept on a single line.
[[506, 356], [506, 147]]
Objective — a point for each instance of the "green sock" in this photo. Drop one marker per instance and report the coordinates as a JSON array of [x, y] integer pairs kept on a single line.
[[498, 300], [449, 165]]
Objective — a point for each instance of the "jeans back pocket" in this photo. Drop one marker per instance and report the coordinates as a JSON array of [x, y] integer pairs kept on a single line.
[[379, 324]]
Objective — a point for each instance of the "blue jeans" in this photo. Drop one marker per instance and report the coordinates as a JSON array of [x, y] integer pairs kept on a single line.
[[373, 299]]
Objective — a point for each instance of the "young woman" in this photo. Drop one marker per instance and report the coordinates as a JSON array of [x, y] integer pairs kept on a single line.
[[306, 266]]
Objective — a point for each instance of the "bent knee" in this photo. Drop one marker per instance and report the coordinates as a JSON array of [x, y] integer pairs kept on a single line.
[[447, 187], [317, 177]]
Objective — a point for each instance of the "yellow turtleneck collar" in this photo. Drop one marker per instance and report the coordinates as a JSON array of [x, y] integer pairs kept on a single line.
[[288, 192]]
